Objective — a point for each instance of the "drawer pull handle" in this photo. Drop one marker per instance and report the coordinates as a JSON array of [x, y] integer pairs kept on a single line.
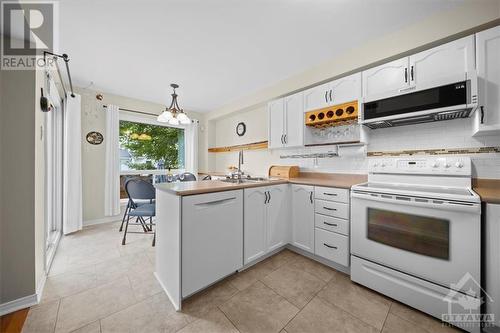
[[330, 224], [328, 208], [332, 194], [330, 246]]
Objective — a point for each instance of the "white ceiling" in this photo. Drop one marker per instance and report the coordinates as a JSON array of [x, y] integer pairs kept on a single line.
[[217, 50]]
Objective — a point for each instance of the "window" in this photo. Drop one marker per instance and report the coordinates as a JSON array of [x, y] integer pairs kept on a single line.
[[146, 146]]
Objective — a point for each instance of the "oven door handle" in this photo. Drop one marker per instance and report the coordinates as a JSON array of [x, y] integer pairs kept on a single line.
[[411, 201]]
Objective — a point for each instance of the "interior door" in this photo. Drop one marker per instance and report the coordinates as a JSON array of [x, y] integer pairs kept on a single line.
[[444, 64], [385, 80], [303, 217], [294, 117], [276, 123], [317, 97], [277, 217], [255, 222]]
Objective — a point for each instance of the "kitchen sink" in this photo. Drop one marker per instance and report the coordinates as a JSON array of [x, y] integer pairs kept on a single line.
[[245, 180]]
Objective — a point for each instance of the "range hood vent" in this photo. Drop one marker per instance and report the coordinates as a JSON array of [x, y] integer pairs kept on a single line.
[[446, 115]]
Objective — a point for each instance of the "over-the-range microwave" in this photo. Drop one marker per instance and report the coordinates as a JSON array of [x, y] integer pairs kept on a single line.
[[457, 100]]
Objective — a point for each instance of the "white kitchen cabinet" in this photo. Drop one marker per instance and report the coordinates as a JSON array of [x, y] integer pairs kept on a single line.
[[303, 217], [265, 220], [277, 216], [294, 120], [346, 89], [276, 124], [286, 121], [317, 97], [212, 229], [444, 64], [492, 260], [487, 117], [255, 223], [385, 80]]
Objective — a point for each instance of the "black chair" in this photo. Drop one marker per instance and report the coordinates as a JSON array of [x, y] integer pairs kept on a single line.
[[129, 203], [138, 189], [187, 177]]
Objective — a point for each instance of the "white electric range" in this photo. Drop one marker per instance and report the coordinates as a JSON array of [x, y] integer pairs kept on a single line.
[[416, 235]]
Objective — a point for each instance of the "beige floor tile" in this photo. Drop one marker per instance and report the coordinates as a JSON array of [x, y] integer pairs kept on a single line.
[[94, 327], [144, 284], [361, 302], [281, 258], [69, 283], [395, 324], [214, 322], [319, 316], [78, 310], [41, 318], [119, 267], [315, 268], [295, 284], [246, 278], [259, 309], [200, 304], [420, 319]]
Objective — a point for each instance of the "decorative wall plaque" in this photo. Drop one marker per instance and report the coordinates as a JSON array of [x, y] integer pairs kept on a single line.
[[94, 138]]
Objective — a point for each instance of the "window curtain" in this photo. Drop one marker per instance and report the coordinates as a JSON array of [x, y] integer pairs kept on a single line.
[[112, 164], [191, 147], [72, 161]]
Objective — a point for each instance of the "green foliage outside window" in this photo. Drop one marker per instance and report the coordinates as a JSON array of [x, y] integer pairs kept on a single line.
[[158, 144]]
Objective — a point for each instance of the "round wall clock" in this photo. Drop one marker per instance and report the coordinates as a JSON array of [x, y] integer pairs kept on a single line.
[[241, 128], [95, 138]]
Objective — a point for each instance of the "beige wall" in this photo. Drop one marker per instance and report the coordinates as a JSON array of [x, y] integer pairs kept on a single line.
[[466, 19], [17, 140], [93, 156]]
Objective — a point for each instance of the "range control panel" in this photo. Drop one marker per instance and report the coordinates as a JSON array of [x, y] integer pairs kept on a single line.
[[422, 165]]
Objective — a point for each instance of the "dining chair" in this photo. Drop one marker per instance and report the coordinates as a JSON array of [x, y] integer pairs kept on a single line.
[[137, 190], [129, 206]]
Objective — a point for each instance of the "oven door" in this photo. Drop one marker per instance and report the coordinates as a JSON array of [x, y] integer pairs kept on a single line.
[[436, 240]]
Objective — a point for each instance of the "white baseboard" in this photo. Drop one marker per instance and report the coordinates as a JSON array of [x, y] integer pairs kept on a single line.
[[177, 306], [40, 287], [106, 219], [18, 304]]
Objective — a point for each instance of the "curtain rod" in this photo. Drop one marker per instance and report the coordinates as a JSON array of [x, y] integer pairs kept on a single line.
[[142, 112]]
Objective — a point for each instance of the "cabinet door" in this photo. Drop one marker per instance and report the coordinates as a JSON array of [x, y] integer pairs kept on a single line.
[[294, 119], [487, 120], [303, 217], [276, 123], [254, 217], [277, 216], [385, 80], [317, 97], [492, 259], [445, 64], [346, 89]]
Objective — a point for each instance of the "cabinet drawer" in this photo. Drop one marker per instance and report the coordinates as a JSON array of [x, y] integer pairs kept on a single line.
[[331, 194], [330, 208], [332, 223], [332, 246]]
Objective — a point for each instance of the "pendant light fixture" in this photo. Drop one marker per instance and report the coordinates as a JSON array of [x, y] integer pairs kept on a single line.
[[174, 115]]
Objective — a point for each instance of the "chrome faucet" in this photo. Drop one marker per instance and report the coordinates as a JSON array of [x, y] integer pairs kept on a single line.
[[238, 173]]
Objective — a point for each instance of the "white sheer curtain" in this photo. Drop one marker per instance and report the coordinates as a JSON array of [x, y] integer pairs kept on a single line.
[[112, 165], [191, 147], [72, 170]]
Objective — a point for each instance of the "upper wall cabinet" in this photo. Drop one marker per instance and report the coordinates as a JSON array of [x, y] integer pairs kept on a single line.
[[286, 121], [384, 80], [487, 118], [343, 90], [445, 64]]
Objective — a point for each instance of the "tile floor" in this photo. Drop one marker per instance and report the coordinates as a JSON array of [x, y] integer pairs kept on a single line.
[[98, 285]]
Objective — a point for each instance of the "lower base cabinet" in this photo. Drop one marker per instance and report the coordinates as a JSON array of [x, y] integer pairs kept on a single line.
[[332, 246], [303, 217]]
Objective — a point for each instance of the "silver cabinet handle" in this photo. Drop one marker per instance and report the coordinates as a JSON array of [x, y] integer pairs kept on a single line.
[[281, 138], [328, 208], [265, 200], [330, 246], [269, 193], [311, 196], [331, 95], [406, 74], [332, 194], [326, 96], [482, 114], [330, 224], [215, 202]]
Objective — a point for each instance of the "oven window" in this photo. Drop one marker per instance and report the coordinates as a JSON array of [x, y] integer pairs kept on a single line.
[[419, 234]]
